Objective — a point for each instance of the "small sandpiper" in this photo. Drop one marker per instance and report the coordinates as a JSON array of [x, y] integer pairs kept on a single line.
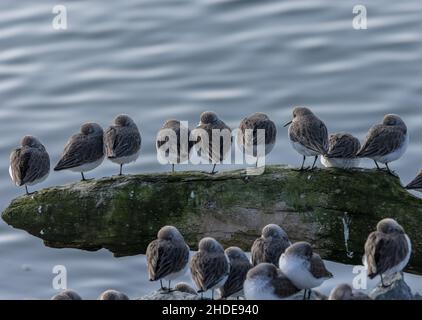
[[270, 246], [304, 267], [250, 141], [239, 267], [67, 294], [113, 295], [387, 250], [185, 287], [122, 141], [176, 151], [212, 150], [84, 151], [342, 151], [308, 134], [210, 266], [266, 282], [346, 292], [416, 184], [30, 163], [386, 142], [167, 256]]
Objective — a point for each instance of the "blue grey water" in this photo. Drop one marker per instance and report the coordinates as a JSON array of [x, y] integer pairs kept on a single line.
[[156, 59]]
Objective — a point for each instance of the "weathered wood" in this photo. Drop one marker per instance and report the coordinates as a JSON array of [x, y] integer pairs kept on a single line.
[[123, 214]]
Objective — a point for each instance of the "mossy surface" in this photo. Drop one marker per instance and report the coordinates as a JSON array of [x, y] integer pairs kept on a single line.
[[123, 214]]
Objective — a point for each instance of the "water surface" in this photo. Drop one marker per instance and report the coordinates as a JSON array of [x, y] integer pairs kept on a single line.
[[158, 59]]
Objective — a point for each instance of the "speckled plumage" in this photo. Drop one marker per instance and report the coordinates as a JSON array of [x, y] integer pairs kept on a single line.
[[67, 294], [387, 250], [416, 183], [303, 267], [175, 152], [30, 163], [122, 140], [266, 282], [342, 145], [168, 255], [113, 295], [210, 266], [249, 143], [84, 151], [269, 247], [386, 142], [239, 267], [308, 134], [209, 151], [346, 292]]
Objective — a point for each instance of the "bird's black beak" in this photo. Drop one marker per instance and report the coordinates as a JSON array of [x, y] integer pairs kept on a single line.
[[288, 123]]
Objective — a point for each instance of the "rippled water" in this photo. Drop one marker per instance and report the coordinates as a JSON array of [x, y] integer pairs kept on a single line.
[[158, 59]]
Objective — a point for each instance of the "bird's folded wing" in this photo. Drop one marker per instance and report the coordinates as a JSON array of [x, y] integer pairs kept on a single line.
[[382, 140]]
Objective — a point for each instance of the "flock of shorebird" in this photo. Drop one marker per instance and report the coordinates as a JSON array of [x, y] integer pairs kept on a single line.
[[121, 144], [276, 270]]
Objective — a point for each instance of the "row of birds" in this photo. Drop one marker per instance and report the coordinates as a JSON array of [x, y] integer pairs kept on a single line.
[[277, 270], [121, 144]]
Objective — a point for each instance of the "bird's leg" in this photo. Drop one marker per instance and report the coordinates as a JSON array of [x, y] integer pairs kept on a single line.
[[302, 168], [172, 168], [169, 288], [213, 169], [378, 167], [212, 294], [382, 282], [389, 171], [26, 189], [309, 294], [202, 296], [161, 284], [304, 294], [84, 179], [121, 169], [315, 160]]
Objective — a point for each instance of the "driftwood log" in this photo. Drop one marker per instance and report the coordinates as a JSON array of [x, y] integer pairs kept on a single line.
[[333, 209]]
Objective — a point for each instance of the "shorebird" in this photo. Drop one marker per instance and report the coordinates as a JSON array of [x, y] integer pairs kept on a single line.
[[213, 150], [267, 282], [167, 256], [30, 163], [342, 151], [248, 139], [346, 292], [176, 151], [386, 142], [303, 267], [67, 294], [122, 141], [416, 184], [113, 295], [84, 151], [269, 247], [387, 250], [239, 267], [185, 287], [308, 134], [210, 266]]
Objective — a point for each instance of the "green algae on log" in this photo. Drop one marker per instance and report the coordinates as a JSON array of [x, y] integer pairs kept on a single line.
[[123, 214]]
